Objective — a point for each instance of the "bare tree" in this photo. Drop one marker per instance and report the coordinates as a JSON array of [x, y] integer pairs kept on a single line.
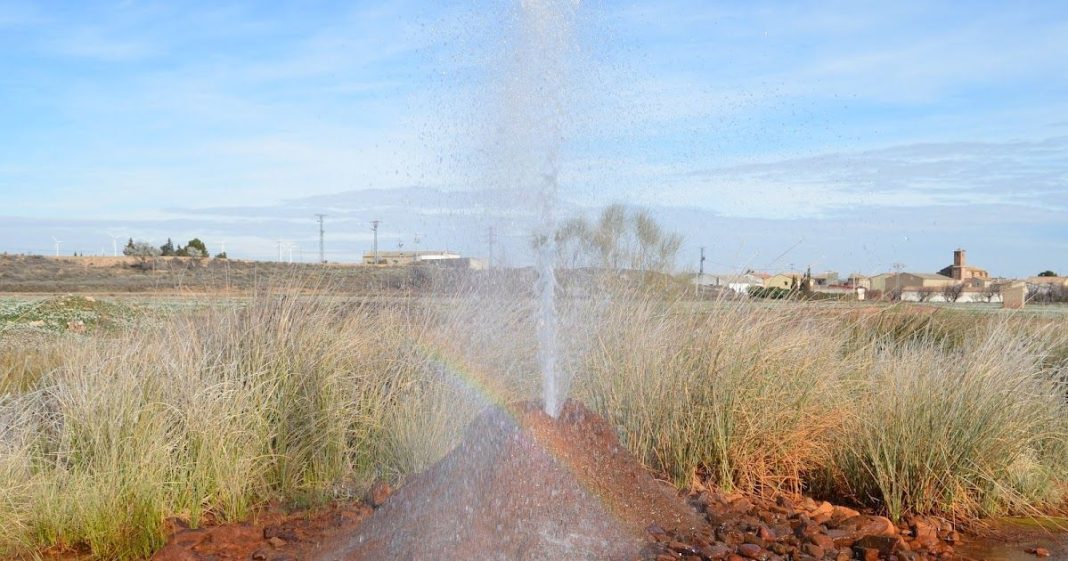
[[924, 293], [618, 240], [145, 253], [952, 292], [1034, 291], [989, 292]]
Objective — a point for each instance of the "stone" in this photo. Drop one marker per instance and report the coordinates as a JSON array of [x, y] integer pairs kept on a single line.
[[823, 541], [823, 508], [729, 536], [780, 548], [276, 541], [867, 554], [883, 545], [715, 552], [925, 534], [843, 513], [805, 528], [841, 538], [259, 555], [1038, 551], [751, 538], [665, 557], [679, 547], [751, 551], [379, 493], [877, 526], [813, 550], [843, 555], [655, 529]]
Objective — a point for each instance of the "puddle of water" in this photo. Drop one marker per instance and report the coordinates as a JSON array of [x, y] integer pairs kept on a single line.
[[1013, 537]]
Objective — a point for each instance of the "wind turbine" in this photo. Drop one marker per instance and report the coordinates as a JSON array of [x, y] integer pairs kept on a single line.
[[58, 243], [115, 244]]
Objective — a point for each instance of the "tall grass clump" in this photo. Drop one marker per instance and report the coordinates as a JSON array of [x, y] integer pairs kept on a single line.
[[745, 397], [286, 398], [979, 429]]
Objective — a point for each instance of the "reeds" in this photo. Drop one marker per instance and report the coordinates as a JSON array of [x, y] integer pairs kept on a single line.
[[303, 399]]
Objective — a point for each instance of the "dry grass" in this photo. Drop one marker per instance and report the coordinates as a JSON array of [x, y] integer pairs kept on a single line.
[[306, 399]]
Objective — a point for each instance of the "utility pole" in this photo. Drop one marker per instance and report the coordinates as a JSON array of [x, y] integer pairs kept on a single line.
[[491, 238], [322, 250], [374, 228], [897, 278], [700, 273]]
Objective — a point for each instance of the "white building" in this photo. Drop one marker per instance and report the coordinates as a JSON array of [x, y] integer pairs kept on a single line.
[[737, 283]]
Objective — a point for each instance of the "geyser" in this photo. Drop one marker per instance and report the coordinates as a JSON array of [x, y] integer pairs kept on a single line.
[[533, 124]]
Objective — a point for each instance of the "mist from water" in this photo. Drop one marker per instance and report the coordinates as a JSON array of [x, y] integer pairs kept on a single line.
[[533, 122]]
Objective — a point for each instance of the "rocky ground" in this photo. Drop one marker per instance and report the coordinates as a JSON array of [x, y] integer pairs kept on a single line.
[[742, 527], [523, 486]]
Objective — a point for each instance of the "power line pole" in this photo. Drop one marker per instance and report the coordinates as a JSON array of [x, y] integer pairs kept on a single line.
[[374, 228], [700, 272], [322, 250]]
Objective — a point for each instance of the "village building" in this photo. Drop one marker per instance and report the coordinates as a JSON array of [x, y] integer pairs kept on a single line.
[[784, 280], [738, 283], [405, 258], [962, 272]]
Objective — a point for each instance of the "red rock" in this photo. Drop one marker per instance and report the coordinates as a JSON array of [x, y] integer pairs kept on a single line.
[[878, 526], [813, 550], [680, 547], [823, 508], [843, 513], [752, 551], [379, 493], [823, 541], [924, 533], [883, 545], [716, 552], [868, 554], [1040, 552]]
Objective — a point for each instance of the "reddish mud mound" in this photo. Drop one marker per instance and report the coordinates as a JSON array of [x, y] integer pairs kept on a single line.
[[273, 535], [523, 486]]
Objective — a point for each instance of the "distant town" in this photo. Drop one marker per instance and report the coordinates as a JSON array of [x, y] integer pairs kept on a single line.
[[957, 282]]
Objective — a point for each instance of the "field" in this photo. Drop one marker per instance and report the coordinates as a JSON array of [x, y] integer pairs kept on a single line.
[[118, 413]]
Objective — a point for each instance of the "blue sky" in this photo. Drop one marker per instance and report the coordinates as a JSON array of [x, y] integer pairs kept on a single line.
[[842, 135]]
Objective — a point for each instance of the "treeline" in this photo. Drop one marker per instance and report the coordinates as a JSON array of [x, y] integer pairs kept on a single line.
[[194, 248]]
